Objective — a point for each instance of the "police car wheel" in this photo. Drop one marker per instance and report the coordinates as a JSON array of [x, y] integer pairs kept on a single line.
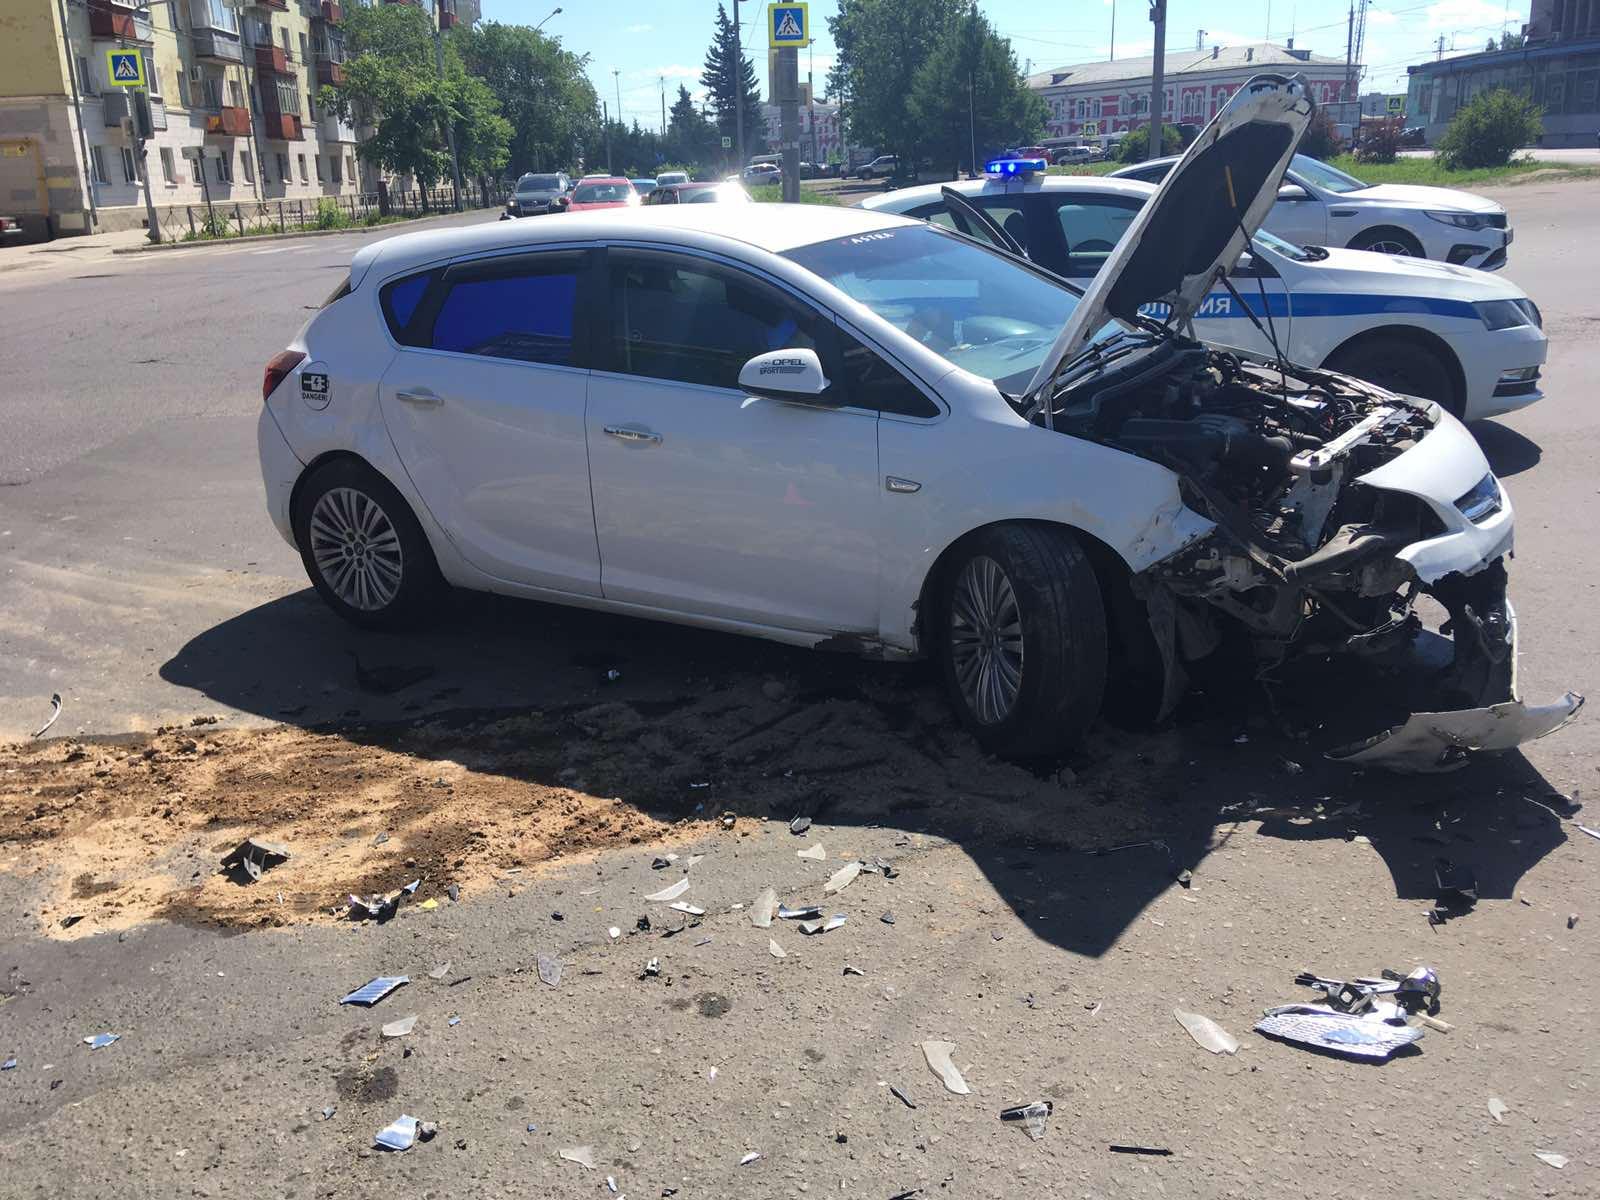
[[363, 549], [1399, 365]]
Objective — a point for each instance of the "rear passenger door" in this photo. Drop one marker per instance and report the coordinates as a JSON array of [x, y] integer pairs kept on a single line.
[[485, 405]]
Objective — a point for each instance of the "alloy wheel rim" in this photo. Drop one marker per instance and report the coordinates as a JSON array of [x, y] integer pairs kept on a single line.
[[356, 548], [986, 644], [1387, 247]]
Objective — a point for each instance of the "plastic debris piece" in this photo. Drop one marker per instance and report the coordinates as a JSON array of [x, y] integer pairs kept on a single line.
[[1031, 1116], [613, 933], [400, 1028], [887, 918], [427, 1130], [253, 856], [1185, 878], [750, 1158], [1594, 833], [671, 892], [711, 1075], [806, 912], [939, 1061], [1498, 1110], [549, 969], [765, 907], [832, 923], [383, 836], [1208, 1035], [776, 950], [901, 1096], [582, 1155], [849, 970], [842, 878], [878, 866], [694, 858], [429, 903], [454, 1021], [728, 818], [1572, 920], [1551, 1157], [1160, 1151], [399, 1134], [1369, 1036], [100, 1041], [453, 891], [799, 825], [813, 852], [651, 968], [683, 906], [662, 863], [71, 919], [532, 1128], [612, 675], [327, 1112], [55, 711], [440, 971], [369, 994], [10, 1064]]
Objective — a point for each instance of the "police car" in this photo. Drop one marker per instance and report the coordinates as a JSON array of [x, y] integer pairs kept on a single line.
[[1465, 338]]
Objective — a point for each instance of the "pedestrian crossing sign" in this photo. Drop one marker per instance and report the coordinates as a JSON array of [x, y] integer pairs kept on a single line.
[[125, 68], [788, 26]]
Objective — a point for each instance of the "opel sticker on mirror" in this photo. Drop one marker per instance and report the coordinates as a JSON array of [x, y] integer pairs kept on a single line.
[[783, 366], [314, 387]]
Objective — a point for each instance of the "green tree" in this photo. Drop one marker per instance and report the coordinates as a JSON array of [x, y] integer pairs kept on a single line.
[[691, 138], [543, 90], [1135, 144], [969, 93], [880, 45], [729, 74], [1488, 129]]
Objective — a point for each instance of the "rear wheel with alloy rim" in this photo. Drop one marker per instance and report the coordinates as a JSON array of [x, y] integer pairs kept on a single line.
[[1023, 639]]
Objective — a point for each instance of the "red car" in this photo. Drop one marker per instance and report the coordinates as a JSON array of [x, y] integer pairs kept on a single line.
[[611, 191]]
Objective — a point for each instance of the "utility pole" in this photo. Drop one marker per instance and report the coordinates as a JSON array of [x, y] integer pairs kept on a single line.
[[605, 119], [141, 120], [1158, 81], [1112, 56], [449, 125], [738, 88], [1349, 50], [662, 79], [972, 89]]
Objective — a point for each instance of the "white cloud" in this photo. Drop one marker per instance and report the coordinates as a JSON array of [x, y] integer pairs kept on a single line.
[[1463, 14], [637, 28], [671, 71]]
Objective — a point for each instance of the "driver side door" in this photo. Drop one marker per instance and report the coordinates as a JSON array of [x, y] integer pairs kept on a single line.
[[1299, 216]]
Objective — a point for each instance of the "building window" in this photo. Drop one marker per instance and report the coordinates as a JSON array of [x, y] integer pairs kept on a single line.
[[283, 35], [288, 97], [85, 80], [318, 157], [249, 168], [169, 167], [303, 56], [213, 14], [350, 167], [283, 168], [151, 74], [304, 178], [236, 93], [97, 165], [1095, 108], [130, 169], [334, 168], [194, 168], [225, 167], [1081, 109]]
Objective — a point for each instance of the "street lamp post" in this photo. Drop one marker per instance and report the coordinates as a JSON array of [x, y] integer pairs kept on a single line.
[[540, 25], [738, 87], [449, 125]]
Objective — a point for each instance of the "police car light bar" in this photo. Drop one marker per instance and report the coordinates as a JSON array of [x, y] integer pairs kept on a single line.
[[1005, 168]]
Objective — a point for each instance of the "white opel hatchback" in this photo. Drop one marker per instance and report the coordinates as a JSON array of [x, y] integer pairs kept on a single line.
[[860, 432]]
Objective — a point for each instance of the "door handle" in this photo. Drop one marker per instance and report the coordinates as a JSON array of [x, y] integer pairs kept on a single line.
[[420, 397], [629, 434]]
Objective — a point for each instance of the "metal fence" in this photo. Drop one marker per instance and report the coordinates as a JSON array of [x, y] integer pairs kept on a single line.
[[247, 217]]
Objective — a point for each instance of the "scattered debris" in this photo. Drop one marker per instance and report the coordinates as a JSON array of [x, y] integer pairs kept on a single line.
[[799, 825], [1555, 1160], [728, 818], [806, 912], [901, 1096], [1161, 1151], [55, 711], [813, 852], [1185, 878], [670, 893], [663, 862], [1032, 1117], [1373, 1035], [611, 1184], [705, 941], [453, 1022], [100, 1041], [396, 1029], [71, 919], [612, 675], [765, 906], [253, 856], [440, 971], [750, 1158], [383, 836], [1572, 920], [1290, 767], [878, 866], [549, 969], [849, 970], [1458, 886], [684, 906], [939, 1061], [400, 1134], [842, 878], [1498, 1110], [10, 1064], [651, 968], [582, 1155], [1208, 1035], [369, 994], [832, 923], [454, 892], [776, 950], [613, 933], [327, 1112], [887, 918], [426, 1130], [381, 907]]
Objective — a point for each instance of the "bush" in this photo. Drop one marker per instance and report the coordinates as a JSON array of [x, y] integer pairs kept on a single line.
[[1488, 129], [1379, 141], [1135, 144], [329, 215], [1321, 138]]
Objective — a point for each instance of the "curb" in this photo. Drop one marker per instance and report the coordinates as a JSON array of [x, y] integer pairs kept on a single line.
[[215, 243]]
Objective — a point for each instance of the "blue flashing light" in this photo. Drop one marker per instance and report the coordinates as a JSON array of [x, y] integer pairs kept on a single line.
[[1008, 168]]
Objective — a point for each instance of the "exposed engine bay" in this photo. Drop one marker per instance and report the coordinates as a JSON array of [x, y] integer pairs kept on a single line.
[[1308, 556]]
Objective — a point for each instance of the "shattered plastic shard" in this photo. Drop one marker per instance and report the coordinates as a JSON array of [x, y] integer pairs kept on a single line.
[[1032, 1116], [582, 1155], [776, 950], [806, 912], [670, 893], [684, 906], [1549, 1156], [613, 933], [100, 1040], [401, 1134], [1443, 741], [765, 906], [939, 1061], [400, 1028], [1207, 1033], [849, 970], [813, 852], [1368, 1036], [833, 922], [380, 987], [549, 969], [799, 825], [10, 1064], [1498, 1110], [842, 878], [653, 967], [901, 1096], [749, 1158], [440, 971]]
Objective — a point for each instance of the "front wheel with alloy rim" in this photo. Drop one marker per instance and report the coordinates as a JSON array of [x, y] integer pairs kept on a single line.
[[1023, 639], [1388, 241], [363, 549]]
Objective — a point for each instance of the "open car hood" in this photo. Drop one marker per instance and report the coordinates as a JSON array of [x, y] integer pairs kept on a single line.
[[1197, 223]]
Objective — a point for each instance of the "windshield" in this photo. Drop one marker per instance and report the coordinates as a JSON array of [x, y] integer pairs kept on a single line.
[[1278, 245], [602, 193], [539, 183], [982, 311], [1325, 177]]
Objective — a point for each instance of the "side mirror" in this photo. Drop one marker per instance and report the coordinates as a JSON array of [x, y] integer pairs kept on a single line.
[[794, 375], [1293, 191]]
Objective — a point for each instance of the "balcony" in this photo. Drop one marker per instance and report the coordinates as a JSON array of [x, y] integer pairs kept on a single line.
[[282, 127], [275, 5], [332, 13], [229, 121], [118, 106], [330, 72], [216, 45], [121, 22], [331, 129], [274, 60]]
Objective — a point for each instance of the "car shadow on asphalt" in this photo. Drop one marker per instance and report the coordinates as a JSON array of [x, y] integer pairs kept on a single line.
[[685, 725], [1508, 452]]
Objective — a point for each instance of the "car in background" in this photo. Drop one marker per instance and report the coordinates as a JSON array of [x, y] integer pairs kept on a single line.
[[1414, 135], [761, 174], [699, 193], [1068, 156], [643, 186], [1468, 340], [666, 177], [602, 191], [1319, 205], [536, 194], [884, 164]]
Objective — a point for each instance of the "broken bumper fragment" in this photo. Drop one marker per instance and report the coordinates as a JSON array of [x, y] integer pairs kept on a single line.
[[1443, 741]]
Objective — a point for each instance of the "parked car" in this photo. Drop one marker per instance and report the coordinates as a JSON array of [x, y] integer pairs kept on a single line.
[[1070, 155], [604, 191], [762, 174], [643, 186], [1414, 135], [535, 194], [1469, 340], [847, 429], [884, 164], [699, 193], [1319, 205], [666, 177]]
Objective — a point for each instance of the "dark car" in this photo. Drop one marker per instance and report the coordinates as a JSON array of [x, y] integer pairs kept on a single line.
[[536, 194]]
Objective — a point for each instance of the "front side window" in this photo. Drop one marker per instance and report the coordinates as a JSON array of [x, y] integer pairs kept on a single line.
[[1325, 177], [873, 383], [520, 310], [672, 319], [1092, 228]]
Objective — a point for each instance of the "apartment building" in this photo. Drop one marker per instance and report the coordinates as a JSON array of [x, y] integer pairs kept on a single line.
[[233, 108]]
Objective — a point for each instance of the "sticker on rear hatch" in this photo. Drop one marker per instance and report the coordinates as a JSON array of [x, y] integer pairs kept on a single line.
[[314, 386]]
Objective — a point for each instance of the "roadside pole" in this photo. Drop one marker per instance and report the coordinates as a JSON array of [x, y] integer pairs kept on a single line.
[[738, 88], [141, 116], [449, 125], [1158, 82], [788, 28]]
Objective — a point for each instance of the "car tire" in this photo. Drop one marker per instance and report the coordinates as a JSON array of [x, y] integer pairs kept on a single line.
[[1022, 639], [363, 549], [1399, 365], [1387, 240]]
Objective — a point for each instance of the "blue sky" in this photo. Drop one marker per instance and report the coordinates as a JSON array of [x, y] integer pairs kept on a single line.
[[645, 40]]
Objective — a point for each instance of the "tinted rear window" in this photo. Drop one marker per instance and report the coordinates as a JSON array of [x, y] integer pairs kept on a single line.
[[523, 314], [400, 300]]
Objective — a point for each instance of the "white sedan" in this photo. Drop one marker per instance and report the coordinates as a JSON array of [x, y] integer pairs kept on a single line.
[[1469, 340], [859, 432], [1319, 205]]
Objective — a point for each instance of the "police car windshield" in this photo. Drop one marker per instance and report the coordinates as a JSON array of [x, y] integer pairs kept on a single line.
[[983, 311], [1324, 176]]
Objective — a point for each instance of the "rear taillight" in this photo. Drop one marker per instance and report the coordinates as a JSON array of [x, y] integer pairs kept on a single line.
[[282, 363]]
